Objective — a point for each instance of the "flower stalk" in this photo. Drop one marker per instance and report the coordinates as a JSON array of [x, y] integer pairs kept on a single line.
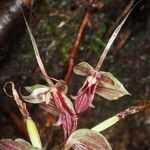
[[120, 116]]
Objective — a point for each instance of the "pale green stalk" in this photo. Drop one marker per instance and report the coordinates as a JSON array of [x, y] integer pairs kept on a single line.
[[121, 115], [106, 124], [33, 133]]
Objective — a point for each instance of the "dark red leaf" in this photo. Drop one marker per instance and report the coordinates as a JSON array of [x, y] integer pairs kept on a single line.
[[18, 144]]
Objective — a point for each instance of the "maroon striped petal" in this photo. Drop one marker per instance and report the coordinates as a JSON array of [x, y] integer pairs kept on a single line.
[[18, 144], [84, 98], [7, 144], [63, 103], [67, 116], [69, 124]]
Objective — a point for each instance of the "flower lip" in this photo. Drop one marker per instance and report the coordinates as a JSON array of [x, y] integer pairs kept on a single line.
[[93, 78]]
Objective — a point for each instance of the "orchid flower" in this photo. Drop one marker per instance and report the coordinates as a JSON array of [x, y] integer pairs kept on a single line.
[[52, 98], [99, 82]]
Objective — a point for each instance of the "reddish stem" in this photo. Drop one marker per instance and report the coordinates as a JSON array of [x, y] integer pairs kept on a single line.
[[28, 2], [76, 43]]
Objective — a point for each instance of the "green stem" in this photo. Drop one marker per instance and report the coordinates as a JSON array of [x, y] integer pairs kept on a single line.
[[121, 115], [106, 124]]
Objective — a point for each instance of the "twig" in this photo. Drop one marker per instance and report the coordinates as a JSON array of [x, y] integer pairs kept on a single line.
[[21, 105], [76, 43]]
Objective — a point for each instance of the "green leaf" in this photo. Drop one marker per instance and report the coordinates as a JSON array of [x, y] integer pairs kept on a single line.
[[88, 139], [83, 69], [109, 87]]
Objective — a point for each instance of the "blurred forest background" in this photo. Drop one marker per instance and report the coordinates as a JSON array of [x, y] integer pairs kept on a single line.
[[54, 24]]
